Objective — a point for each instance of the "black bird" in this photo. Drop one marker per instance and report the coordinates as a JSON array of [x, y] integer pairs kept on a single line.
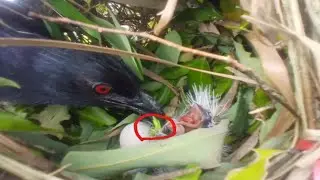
[[63, 76]]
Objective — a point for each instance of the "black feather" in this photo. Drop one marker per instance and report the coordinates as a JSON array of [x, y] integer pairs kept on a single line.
[[63, 76]]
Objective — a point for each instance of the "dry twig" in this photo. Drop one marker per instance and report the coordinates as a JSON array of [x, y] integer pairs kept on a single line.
[[226, 59], [24, 154], [23, 171], [105, 50]]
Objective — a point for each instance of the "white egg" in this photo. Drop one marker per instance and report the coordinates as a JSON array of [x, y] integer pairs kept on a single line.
[[129, 139]]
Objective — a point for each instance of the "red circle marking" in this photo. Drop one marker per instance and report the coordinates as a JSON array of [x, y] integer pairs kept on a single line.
[[174, 127]]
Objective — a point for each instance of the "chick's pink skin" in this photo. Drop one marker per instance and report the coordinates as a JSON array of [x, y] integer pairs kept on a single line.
[[193, 119], [180, 130]]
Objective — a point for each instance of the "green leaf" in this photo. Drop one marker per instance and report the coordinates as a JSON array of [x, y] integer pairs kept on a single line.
[[51, 117], [225, 49], [257, 169], [76, 176], [141, 176], [97, 116], [198, 14], [8, 82], [221, 171], [89, 134], [69, 11], [187, 39], [231, 9], [56, 148], [22, 112], [198, 78], [261, 98], [212, 40], [164, 96], [121, 42], [169, 53], [54, 30], [14, 123], [129, 119], [101, 8], [174, 72], [86, 131], [96, 136], [202, 145], [246, 59], [192, 176], [185, 57], [268, 125], [282, 141], [182, 82], [222, 85], [152, 86], [238, 114], [94, 146]]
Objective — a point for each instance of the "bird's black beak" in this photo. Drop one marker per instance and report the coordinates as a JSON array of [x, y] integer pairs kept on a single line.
[[145, 104], [141, 104]]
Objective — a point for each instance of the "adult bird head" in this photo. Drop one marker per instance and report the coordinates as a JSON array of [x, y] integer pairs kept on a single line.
[[63, 76]]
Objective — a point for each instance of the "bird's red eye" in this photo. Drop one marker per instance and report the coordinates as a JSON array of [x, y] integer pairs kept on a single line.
[[102, 89]]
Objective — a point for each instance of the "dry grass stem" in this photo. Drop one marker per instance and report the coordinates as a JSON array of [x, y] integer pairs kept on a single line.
[[226, 59], [23, 171], [105, 50]]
